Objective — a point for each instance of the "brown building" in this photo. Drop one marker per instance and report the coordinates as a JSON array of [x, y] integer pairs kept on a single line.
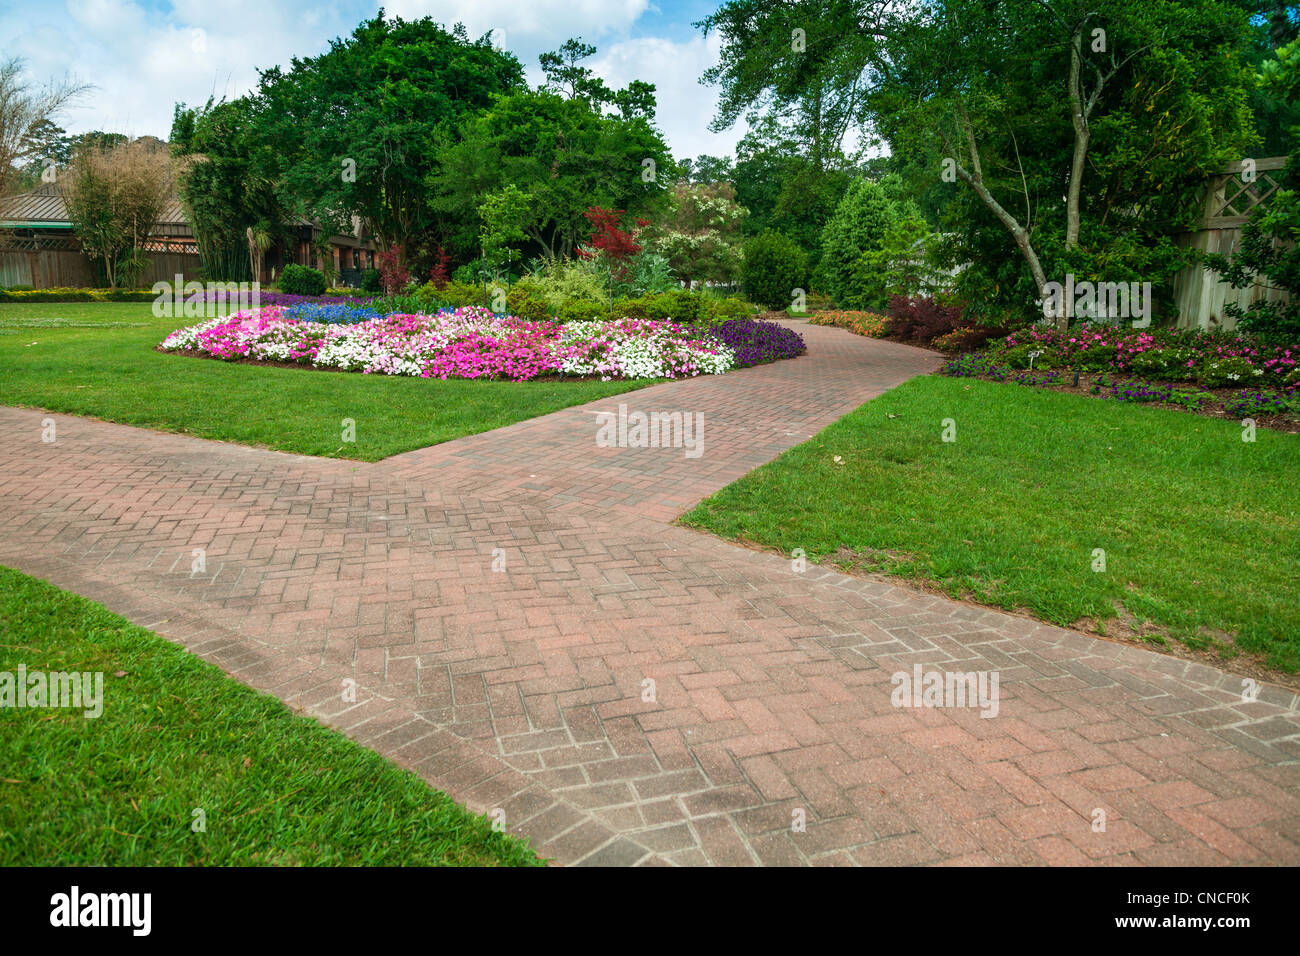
[[39, 247]]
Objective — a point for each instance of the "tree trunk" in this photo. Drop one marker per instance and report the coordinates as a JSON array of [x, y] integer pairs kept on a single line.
[[1082, 134]]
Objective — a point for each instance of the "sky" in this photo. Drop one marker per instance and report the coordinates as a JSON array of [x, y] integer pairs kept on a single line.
[[144, 56]]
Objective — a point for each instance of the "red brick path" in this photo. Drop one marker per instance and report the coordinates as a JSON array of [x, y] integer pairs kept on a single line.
[[522, 689]]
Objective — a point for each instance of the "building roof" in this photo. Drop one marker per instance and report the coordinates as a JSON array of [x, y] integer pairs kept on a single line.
[[44, 206]]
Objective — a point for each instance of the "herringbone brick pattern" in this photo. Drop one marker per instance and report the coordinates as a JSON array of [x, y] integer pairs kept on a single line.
[[526, 631]]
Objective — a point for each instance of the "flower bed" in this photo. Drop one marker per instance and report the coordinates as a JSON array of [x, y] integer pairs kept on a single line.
[[863, 323], [1209, 359], [1277, 408], [469, 342], [755, 342]]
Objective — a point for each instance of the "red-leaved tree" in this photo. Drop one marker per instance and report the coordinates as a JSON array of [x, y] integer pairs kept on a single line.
[[439, 275], [610, 241], [392, 273]]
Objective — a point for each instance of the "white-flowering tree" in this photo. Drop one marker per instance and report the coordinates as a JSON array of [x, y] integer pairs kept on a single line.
[[700, 233]]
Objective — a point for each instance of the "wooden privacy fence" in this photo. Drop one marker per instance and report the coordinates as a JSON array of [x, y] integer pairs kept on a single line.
[[58, 262], [1231, 194]]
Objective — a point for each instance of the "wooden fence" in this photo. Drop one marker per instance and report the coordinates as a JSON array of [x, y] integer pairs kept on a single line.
[[1231, 194], [47, 263]]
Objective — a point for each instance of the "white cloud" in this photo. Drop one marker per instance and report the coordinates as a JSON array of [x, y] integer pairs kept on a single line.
[[544, 24], [685, 106], [144, 56]]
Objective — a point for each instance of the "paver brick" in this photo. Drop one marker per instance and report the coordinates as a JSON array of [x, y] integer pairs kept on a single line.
[[523, 690]]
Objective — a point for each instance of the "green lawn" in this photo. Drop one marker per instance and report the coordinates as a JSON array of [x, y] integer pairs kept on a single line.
[[97, 359], [175, 735], [1200, 530]]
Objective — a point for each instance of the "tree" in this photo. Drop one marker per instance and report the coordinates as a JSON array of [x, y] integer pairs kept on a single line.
[[613, 245], [26, 119], [114, 196], [501, 214], [868, 214], [1080, 130], [562, 154], [774, 268], [227, 183], [359, 129], [700, 234]]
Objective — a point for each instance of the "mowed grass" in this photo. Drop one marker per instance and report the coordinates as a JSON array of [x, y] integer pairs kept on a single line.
[[177, 735], [1200, 530], [97, 359]]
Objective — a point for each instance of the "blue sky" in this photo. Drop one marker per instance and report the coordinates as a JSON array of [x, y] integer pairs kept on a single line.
[[143, 56]]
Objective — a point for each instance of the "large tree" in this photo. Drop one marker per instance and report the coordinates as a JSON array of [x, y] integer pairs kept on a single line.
[[1080, 131], [358, 129], [115, 196], [27, 131], [227, 184], [566, 147]]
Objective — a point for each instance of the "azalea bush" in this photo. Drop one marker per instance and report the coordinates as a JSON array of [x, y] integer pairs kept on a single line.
[[469, 342], [1208, 359]]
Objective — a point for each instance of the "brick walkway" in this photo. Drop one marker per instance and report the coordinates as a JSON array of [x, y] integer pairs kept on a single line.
[[522, 689]]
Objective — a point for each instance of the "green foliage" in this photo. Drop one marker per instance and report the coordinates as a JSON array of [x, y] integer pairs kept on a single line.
[[562, 154], [227, 186], [1269, 248], [370, 280], [982, 92], [700, 232], [869, 214], [358, 128], [302, 280], [774, 267]]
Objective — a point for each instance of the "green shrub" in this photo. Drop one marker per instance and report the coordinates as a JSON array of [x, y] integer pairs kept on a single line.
[[302, 280], [521, 302], [1167, 364], [1226, 373], [457, 293], [371, 281], [723, 309], [774, 267]]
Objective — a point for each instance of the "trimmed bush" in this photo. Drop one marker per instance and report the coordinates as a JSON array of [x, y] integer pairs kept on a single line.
[[370, 281], [302, 280], [774, 267]]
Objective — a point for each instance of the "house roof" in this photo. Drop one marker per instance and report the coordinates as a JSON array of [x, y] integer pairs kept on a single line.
[[44, 206]]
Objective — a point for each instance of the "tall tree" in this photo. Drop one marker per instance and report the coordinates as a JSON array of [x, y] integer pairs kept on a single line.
[[114, 196], [564, 154], [358, 129], [26, 116], [1081, 130]]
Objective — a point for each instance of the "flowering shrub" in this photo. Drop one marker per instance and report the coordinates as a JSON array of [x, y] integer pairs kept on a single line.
[[754, 341], [1210, 359], [470, 342], [863, 323]]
